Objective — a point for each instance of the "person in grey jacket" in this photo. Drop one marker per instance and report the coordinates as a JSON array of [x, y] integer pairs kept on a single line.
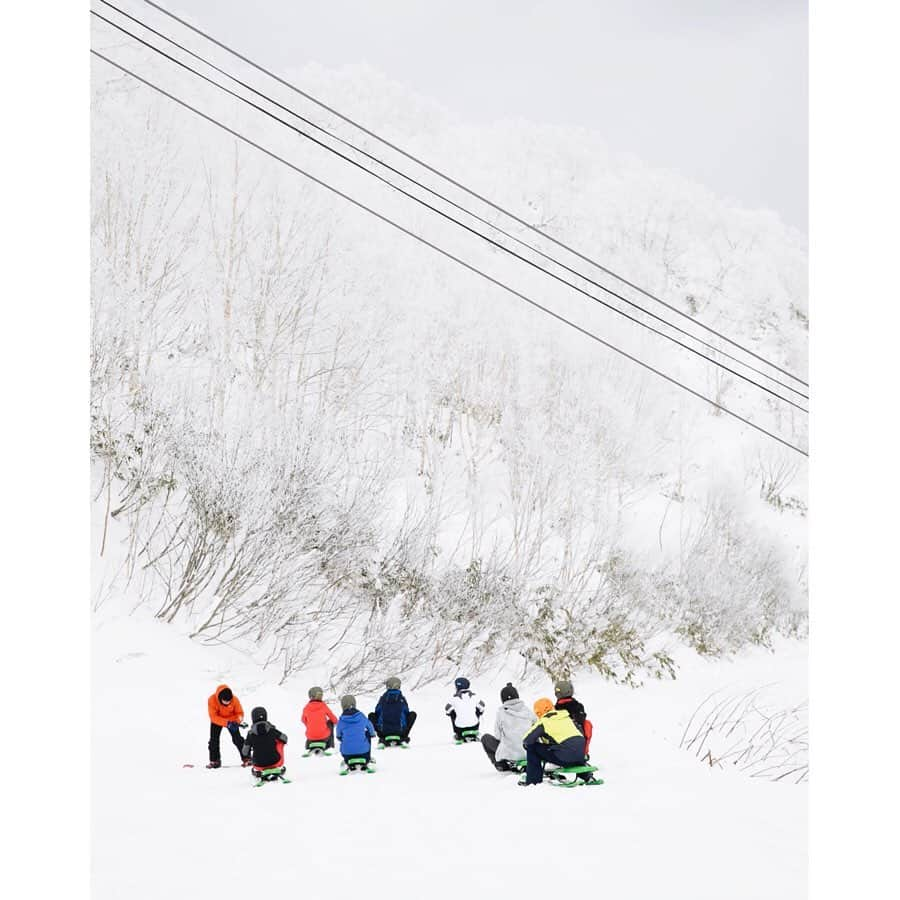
[[514, 719]]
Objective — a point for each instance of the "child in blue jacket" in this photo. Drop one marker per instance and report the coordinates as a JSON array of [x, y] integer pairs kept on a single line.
[[392, 716], [354, 731]]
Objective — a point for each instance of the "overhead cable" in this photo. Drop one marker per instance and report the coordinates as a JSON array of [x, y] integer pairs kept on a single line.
[[212, 120]]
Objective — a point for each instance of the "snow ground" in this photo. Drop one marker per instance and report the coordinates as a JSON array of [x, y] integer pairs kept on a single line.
[[436, 815]]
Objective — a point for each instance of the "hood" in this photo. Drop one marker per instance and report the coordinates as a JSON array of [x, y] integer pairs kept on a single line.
[[516, 705], [219, 690], [355, 714], [393, 692], [463, 692]]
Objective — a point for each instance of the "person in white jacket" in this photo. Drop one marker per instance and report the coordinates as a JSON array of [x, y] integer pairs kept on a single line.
[[514, 718], [464, 710]]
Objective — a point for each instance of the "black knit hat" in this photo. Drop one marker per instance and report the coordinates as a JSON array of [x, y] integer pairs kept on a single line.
[[258, 714], [225, 695], [508, 693]]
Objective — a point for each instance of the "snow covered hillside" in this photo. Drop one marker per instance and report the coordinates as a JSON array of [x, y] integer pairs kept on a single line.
[[333, 448], [434, 819], [322, 453]]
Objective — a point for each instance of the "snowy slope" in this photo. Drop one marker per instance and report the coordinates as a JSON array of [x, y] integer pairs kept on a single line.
[[662, 825]]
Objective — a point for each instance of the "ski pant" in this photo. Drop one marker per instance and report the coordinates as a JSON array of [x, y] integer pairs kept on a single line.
[[215, 733], [537, 754], [457, 729], [329, 741], [367, 756], [490, 745], [403, 735]]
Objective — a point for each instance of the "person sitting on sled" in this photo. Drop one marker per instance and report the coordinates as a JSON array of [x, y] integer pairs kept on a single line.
[[318, 719], [554, 738], [264, 744], [225, 711], [464, 711], [354, 731], [564, 700], [514, 719], [392, 716]]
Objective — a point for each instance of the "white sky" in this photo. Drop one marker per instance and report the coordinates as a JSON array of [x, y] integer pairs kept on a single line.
[[714, 89]]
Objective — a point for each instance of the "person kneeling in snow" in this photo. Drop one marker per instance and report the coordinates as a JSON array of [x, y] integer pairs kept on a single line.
[[225, 711], [554, 738], [318, 719], [392, 715], [464, 711], [264, 744], [354, 731], [514, 719]]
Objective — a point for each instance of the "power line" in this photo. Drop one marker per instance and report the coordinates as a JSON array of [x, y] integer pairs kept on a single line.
[[422, 202], [446, 253], [471, 192], [490, 225]]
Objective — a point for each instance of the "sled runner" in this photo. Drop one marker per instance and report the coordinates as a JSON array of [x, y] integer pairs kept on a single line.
[[573, 776], [273, 774], [356, 764], [317, 748]]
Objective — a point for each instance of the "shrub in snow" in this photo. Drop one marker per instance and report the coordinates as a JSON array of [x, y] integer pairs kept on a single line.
[[741, 731]]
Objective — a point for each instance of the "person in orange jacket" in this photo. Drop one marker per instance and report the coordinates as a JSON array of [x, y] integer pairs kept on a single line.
[[225, 711], [318, 719]]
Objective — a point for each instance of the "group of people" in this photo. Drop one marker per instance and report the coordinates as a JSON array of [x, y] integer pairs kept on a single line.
[[557, 733], [262, 747]]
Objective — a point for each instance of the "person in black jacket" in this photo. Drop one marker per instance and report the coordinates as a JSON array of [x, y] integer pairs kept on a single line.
[[564, 700], [392, 716], [264, 743]]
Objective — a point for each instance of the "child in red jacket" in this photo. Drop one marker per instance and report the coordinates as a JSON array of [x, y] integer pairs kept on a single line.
[[319, 721]]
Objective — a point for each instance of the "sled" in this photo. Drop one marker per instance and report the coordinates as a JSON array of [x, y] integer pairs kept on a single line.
[[357, 764]]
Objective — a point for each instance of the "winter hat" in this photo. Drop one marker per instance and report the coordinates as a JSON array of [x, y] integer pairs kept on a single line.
[[508, 693], [225, 695], [563, 688], [462, 684], [258, 714], [542, 706], [393, 683], [315, 693], [348, 701]]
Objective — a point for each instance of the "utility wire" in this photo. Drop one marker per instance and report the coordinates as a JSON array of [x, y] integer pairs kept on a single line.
[[470, 192], [422, 202], [490, 225], [445, 253]]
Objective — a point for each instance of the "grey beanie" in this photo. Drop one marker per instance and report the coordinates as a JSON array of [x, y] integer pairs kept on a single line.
[[348, 701], [563, 688], [315, 693], [393, 683]]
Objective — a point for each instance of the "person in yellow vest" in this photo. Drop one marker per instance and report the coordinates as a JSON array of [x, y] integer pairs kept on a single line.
[[554, 738]]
